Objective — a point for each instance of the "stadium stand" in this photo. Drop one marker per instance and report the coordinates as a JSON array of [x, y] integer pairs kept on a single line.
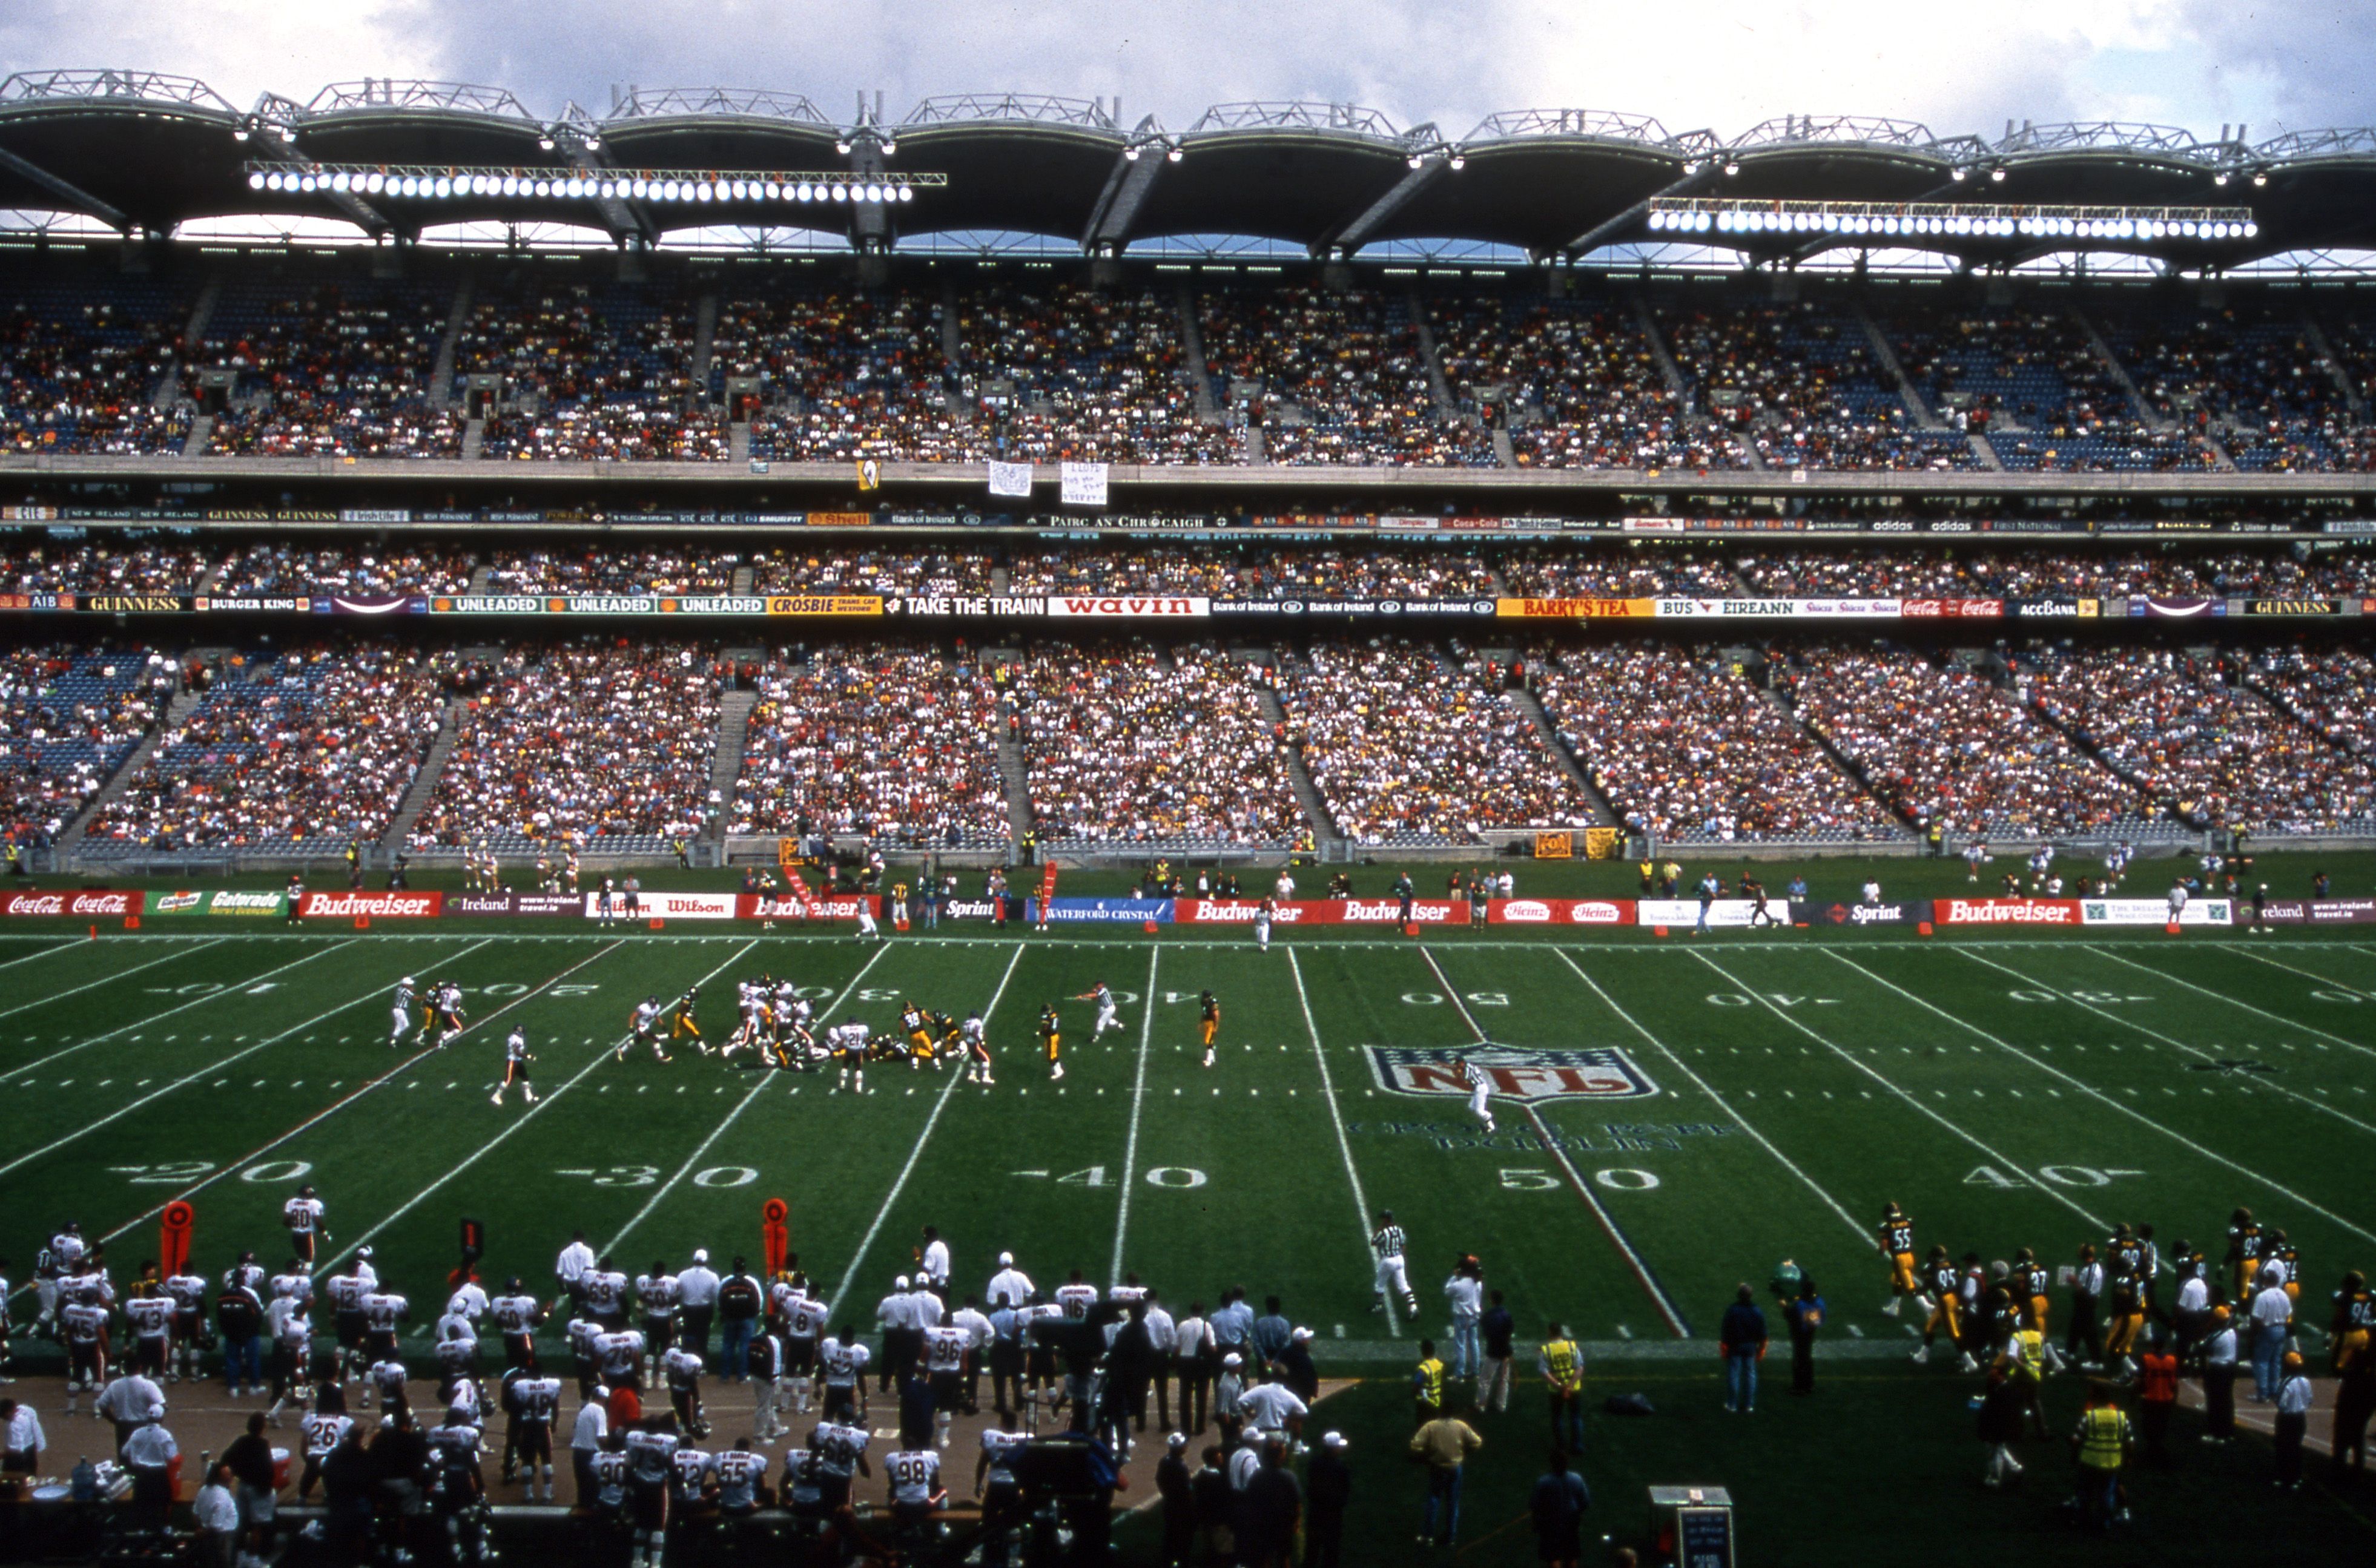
[[2333, 691], [1170, 750], [599, 569], [69, 718], [2244, 374], [873, 571], [331, 369], [1078, 374], [872, 738], [589, 373], [845, 376], [1248, 571], [151, 565], [281, 569], [1615, 571], [82, 355]]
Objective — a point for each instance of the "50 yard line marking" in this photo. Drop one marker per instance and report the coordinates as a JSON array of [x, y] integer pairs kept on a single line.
[[849, 1276], [1137, 1103], [766, 1082], [1577, 1184], [1344, 1144]]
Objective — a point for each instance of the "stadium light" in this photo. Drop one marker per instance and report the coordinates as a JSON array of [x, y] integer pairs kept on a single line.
[[693, 185], [1982, 221], [1174, 155]]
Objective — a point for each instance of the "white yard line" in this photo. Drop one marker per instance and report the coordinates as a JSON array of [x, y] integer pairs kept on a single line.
[[2094, 1093], [1138, 1104], [1577, 1184], [1680, 1066], [2232, 1001], [767, 1080], [1344, 1144], [115, 979], [229, 988], [117, 1115], [600, 1055], [2170, 1041], [866, 1243], [61, 948], [2003, 1161], [2260, 958]]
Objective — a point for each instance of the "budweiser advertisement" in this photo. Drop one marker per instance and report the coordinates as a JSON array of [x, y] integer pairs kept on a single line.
[[382, 906], [1319, 911], [2152, 911], [829, 907], [2006, 911], [88, 903], [672, 906]]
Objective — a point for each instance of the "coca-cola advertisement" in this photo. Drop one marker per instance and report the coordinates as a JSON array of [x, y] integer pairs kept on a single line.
[[87, 903]]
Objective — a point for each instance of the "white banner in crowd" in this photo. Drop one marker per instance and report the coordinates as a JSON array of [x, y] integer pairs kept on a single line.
[[1011, 479], [1085, 485]]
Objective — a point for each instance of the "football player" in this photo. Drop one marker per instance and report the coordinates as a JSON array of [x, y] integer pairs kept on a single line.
[[1942, 1284], [400, 1014], [682, 1025], [1897, 1246], [846, 1044], [1209, 1022], [974, 1039], [643, 1028], [302, 1216], [1481, 1093], [1052, 1040], [516, 1057], [1109, 1016], [656, 1298]]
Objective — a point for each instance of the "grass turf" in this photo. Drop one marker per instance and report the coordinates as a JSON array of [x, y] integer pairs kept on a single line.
[[2006, 1092]]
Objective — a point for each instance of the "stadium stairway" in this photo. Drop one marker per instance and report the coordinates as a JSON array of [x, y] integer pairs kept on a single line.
[[1015, 773], [1504, 452], [1525, 701], [1307, 793], [1907, 393], [177, 708], [726, 765], [705, 339], [2316, 337], [738, 441], [1839, 759], [474, 438], [441, 375], [1985, 449], [424, 781], [169, 385], [1191, 349]]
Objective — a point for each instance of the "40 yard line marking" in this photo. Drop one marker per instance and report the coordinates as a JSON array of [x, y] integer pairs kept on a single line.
[[1137, 1103], [500, 1138], [1577, 1184], [2232, 1001], [766, 1082], [849, 1276], [1344, 1144], [230, 987], [77, 990], [1762, 1140]]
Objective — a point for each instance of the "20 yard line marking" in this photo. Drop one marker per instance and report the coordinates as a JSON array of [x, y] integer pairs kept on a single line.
[[766, 1076], [2004, 1161], [1137, 1103], [1344, 1144], [857, 1258], [1608, 1222], [494, 1143], [1762, 1140], [2090, 1090]]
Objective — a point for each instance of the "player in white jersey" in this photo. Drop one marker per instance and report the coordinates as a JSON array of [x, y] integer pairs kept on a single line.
[[975, 1038], [1262, 926], [602, 1294], [516, 1313], [1108, 1015], [947, 1351], [532, 1401], [914, 1479], [400, 1013], [683, 1369], [319, 1434], [386, 1378], [691, 1475], [618, 1355], [1387, 1244], [187, 1291], [516, 1058], [150, 1318], [739, 1474], [1480, 1092], [644, 1028], [866, 926], [290, 1328], [650, 1455], [447, 1013], [841, 1454], [657, 1294], [847, 1044], [844, 1359], [805, 1324], [995, 1484]]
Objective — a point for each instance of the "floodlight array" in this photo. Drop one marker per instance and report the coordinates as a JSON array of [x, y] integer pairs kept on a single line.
[[683, 186], [1939, 221]]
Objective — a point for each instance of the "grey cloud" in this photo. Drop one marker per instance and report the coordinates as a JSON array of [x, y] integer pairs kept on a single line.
[[2317, 63]]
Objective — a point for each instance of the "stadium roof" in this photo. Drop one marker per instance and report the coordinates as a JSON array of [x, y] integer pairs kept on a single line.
[[141, 150]]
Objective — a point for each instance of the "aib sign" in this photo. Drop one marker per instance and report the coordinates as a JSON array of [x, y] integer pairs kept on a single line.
[[1514, 1072]]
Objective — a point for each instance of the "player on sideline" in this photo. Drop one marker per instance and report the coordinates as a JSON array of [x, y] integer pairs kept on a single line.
[[1480, 1092], [516, 1057], [1109, 1016], [401, 1012], [1388, 1243], [1052, 1040], [1897, 1246], [1262, 926], [976, 1048], [1209, 1022]]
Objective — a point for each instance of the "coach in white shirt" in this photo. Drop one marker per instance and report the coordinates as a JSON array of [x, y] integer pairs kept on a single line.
[[1163, 1340], [2194, 1311], [696, 1302], [148, 1452], [577, 1261], [21, 1436], [937, 1264], [130, 1401], [586, 1441], [2273, 1316], [1009, 1282]]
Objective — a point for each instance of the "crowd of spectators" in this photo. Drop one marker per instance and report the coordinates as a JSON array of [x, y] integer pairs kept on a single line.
[[1404, 748], [844, 376], [1616, 571], [2334, 692], [69, 718], [1686, 747], [2212, 752], [314, 745], [591, 374], [1799, 386], [2247, 374], [1920, 572], [613, 569], [1255, 570], [604, 741], [137, 564], [1949, 746], [1578, 385], [888, 572], [333, 370], [275, 567], [898, 743], [1130, 745], [1083, 375], [81, 361], [1334, 378]]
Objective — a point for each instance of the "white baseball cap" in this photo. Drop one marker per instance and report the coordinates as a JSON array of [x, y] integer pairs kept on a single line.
[[1006, 1260], [903, 1282], [1233, 1359], [1334, 1439], [1301, 1334], [1177, 1441]]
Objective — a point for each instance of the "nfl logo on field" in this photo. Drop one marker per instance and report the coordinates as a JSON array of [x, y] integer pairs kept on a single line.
[[1517, 1072]]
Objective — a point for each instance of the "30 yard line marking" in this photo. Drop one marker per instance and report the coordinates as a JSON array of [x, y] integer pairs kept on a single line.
[[108, 980], [2260, 958], [1606, 1221], [1762, 1140], [1137, 1103], [2232, 1001], [849, 1276], [2004, 1161], [496, 1142], [2131, 1024], [766, 1081], [1344, 1144], [228, 989], [2094, 1093]]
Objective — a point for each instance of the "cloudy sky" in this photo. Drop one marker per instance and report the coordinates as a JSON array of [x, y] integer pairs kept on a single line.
[[1721, 64]]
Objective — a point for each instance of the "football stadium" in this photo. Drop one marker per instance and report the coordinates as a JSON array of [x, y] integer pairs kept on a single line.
[[1010, 835]]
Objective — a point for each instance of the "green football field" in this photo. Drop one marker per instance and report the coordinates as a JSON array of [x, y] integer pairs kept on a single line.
[[1779, 1089]]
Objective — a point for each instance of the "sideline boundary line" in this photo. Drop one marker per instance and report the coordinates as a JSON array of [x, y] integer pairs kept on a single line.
[[1137, 1105], [1344, 1144]]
